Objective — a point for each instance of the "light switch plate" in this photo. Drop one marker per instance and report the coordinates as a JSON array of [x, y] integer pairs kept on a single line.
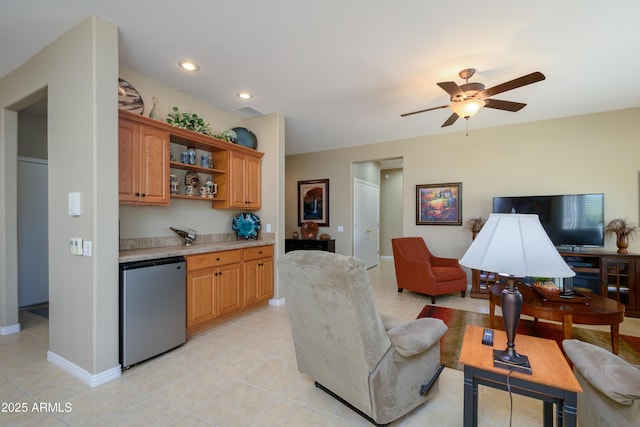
[[74, 204]]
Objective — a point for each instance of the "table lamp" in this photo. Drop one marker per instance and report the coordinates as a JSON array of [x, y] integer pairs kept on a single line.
[[514, 246]]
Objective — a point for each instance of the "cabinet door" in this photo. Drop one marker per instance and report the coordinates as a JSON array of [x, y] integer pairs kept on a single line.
[[619, 275], [251, 279], [154, 170], [228, 289], [200, 296], [236, 181], [244, 181], [129, 161], [266, 276], [252, 182]]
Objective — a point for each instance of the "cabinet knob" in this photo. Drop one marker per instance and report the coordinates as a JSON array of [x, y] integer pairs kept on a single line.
[[137, 194]]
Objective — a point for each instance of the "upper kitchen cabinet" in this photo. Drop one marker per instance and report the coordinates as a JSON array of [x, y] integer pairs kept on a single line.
[[244, 182], [143, 154], [145, 168]]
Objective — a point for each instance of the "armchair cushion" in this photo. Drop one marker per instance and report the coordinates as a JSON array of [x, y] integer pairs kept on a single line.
[[416, 336], [606, 372]]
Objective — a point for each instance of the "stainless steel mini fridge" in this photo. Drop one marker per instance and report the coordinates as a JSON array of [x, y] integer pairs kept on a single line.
[[152, 308]]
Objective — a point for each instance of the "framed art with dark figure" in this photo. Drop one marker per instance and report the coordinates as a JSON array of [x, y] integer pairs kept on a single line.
[[439, 204], [313, 202]]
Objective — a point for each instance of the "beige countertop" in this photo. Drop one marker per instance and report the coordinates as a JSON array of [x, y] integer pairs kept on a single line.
[[182, 250]]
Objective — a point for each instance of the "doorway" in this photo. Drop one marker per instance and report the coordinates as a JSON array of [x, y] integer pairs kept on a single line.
[[33, 230]]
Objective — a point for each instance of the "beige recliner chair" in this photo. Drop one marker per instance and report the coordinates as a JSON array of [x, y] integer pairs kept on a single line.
[[610, 386], [378, 366]]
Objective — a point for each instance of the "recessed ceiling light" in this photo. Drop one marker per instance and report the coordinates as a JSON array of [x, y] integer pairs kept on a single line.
[[244, 95], [189, 66]]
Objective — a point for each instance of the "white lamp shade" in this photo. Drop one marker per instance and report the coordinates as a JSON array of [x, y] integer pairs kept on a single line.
[[515, 244]]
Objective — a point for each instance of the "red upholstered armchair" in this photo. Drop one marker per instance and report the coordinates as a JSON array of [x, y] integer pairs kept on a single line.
[[419, 271]]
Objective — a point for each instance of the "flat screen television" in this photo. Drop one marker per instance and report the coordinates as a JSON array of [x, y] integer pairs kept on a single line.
[[569, 219]]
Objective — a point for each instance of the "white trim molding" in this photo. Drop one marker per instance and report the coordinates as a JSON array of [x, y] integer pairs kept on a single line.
[[276, 301], [83, 375], [12, 329]]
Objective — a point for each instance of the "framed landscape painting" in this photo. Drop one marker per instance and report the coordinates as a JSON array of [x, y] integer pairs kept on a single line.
[[313, 202], [439, 204]]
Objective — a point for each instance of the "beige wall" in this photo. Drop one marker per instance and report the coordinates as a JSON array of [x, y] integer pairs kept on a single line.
[[76, 72], [584, 154]]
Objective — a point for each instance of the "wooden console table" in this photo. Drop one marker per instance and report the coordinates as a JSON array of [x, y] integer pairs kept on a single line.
[[551, 381], [599, 311]]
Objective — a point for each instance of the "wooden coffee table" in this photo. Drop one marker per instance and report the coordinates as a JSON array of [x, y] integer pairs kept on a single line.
[[599, 311], [551, 380]]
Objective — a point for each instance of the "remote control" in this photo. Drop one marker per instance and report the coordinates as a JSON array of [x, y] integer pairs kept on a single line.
[[487, 337]]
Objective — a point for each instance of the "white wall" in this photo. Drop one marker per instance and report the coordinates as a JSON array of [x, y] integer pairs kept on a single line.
[[596, 153]]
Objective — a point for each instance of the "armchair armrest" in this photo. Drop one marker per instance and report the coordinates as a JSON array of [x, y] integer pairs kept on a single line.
[[614, 377], [444, 262], [390, 322], [416, 336]]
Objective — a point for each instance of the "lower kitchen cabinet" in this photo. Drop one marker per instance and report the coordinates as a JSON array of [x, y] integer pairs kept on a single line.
[[222, 285], [258, 274]]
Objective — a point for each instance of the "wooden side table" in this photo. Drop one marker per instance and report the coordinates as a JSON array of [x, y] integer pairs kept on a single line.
[[551, 381]]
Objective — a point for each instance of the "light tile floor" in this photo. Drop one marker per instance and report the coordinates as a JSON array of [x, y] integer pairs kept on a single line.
[[242, 373]]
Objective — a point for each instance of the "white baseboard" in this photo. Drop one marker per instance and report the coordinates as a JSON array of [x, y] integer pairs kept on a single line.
[[7, 330], [276, 301], [386, 257], [83, 375]]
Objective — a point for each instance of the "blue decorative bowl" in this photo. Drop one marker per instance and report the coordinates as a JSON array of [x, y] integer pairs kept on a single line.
[[246, 226]]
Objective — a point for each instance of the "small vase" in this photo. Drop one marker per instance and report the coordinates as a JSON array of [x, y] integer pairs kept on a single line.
[[623, 243], [155, 111]]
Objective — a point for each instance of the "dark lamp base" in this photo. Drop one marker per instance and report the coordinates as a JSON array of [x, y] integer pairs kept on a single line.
[[511, 361]]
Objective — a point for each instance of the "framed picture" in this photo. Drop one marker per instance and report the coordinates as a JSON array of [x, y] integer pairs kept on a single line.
[[439, 204], [313, 202]]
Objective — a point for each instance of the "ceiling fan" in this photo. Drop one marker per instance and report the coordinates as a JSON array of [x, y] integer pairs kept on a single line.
[[469, 98]]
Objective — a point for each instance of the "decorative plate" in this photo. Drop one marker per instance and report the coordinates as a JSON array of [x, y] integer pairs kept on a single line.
[[128, 98], [246, 138], [246, 225], [309, 230], [192, 178]]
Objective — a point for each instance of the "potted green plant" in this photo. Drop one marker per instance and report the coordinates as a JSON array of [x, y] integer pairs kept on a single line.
[[624, 230], [475, 225], [189, 121]]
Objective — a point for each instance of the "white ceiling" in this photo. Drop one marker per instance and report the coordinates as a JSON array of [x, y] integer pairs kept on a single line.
[[342, 71]]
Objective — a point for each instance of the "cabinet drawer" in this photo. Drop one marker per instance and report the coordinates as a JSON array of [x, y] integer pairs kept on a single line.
[[213, 259], [258, 252]]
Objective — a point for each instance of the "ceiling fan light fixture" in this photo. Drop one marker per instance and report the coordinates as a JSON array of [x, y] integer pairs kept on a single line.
[[467, 108]]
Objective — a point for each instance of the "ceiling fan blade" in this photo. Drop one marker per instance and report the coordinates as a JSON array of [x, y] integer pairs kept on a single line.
[[512, 84], [452, 89], [504, 105], [451, 120], [423, 111]]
